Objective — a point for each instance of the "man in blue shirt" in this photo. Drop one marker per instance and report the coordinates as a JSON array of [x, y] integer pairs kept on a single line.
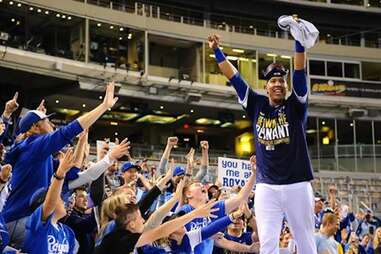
[[32, 159], [284, 167]]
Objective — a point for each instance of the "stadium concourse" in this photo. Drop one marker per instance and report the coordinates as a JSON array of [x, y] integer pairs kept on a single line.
[[190, 126]]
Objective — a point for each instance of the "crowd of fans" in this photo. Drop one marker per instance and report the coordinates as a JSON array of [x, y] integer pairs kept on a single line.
[[55, 200]]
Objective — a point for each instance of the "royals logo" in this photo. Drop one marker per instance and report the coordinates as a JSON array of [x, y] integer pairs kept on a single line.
[[199, 224], [273, 131], [56, 247]]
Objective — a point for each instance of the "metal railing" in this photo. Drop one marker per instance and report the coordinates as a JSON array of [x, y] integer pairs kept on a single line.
[[223, 22]]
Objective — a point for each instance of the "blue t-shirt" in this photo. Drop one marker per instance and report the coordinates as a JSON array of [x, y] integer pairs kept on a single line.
[[245, 238], [190, 240], [280, 138], [32, 163], [44, 237], [206, 246]]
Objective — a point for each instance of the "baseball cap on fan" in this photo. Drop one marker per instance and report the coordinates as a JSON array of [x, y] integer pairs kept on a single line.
[[30, 118]]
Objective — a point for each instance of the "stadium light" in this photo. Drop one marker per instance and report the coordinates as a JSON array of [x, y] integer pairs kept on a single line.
[[238, 51], [121, 29], [47, 12], [31, 8], [19, 5], [10, 2]]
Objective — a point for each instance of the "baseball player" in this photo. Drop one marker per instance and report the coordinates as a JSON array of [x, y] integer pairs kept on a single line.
[[283, 164]]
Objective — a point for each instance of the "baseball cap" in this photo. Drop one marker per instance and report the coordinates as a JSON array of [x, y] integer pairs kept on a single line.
[[30, 118], [178, 171], [129, 165], [275, 70]]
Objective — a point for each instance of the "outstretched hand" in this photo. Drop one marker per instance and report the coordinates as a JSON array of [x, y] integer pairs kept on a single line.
[[109, 99]]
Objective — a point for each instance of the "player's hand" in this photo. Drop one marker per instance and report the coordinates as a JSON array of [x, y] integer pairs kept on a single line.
[[214, 41]]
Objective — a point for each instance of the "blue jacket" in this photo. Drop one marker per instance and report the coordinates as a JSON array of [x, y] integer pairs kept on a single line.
[[32, 163]]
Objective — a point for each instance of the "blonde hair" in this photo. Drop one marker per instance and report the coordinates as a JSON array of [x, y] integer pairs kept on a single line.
[[108, 208], [376, 240]]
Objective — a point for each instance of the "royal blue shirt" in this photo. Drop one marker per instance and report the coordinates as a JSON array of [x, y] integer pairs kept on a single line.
[[32, 163], [206, 246], [280, 134], [44, 237]]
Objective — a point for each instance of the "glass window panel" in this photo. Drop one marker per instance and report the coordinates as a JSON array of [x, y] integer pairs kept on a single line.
[[352, 70], [334, 69], [317, 67]]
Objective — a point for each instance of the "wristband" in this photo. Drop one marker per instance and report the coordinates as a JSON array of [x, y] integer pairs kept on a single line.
[[298, 47], [220, 57], [59, 178]]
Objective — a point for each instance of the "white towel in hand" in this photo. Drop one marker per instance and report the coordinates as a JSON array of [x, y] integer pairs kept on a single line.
[[303, 31]]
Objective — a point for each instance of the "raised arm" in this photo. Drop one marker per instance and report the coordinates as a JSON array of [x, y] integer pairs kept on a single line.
[[172, 225], [79, 151], [229, 70], [299, 81], [108, 102], [55, 188], [171, 142], [204, 161], [243, 195], [94, 172], [10, 107], [157, 217]]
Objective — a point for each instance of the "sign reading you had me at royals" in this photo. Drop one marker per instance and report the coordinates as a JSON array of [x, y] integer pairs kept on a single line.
[[232, 172]]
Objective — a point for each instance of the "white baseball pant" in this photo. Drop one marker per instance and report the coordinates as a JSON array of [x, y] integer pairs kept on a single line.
[[296, 202]]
